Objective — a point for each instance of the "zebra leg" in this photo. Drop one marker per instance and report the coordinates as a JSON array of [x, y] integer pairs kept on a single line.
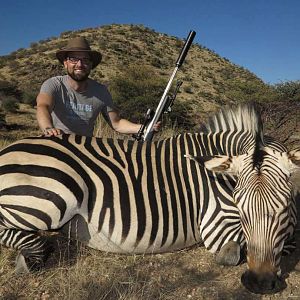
[[34, 249], [230, 254]]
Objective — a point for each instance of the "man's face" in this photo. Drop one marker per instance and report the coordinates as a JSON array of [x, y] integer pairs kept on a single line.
[[78, 65]]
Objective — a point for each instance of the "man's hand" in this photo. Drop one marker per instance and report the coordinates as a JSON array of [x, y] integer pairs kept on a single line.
[[51, 131], [156, 126]]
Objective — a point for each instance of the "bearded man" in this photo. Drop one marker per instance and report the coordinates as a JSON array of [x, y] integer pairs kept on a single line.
[[71, 103]]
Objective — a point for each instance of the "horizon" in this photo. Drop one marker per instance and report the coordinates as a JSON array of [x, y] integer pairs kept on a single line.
[[260, 37]]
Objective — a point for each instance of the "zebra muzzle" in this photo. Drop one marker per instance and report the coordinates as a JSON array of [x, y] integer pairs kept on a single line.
[[263, 283]]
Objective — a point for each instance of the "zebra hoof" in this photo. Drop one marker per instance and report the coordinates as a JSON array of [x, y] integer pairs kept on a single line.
[[229, 255], [27, 264], [21, 266]]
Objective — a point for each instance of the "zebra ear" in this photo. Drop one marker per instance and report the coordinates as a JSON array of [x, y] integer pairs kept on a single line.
[[294, 157], [198, 159], [220, 163], [217, 163]]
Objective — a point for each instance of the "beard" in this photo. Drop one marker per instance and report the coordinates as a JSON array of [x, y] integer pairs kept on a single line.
[[79, 77]]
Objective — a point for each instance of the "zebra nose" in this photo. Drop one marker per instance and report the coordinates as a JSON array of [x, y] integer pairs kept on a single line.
[[266, 283]]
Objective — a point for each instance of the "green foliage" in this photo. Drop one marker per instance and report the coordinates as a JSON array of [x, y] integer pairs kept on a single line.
[[13, 65], [248, 91], [9, 103], [138, 88], [188, 89], [34, 45], [9, 88], [156, 62], [288, 91], [29, 97]]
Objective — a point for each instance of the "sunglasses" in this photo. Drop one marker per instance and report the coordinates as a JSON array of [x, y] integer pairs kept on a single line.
[[75, 60]]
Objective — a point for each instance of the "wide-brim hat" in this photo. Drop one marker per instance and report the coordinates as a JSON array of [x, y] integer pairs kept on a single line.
[[79, 44]]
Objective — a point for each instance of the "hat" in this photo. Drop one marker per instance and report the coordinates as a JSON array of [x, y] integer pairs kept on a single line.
[[79, 44]]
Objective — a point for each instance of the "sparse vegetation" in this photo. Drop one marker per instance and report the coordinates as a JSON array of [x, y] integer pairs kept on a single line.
[[138, 88], [29, 97], [9, 104], [137, 45], [137, 78]]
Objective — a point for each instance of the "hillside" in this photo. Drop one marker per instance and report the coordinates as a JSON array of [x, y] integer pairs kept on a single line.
[[208, 79]]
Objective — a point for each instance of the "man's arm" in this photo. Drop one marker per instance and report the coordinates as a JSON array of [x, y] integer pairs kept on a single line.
[[125, 126], [43, 114], [122, 125]]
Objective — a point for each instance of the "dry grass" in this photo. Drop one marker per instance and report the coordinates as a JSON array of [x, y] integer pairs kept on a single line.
[[102, 129], [25, 125], [77, 272], [96, 275]]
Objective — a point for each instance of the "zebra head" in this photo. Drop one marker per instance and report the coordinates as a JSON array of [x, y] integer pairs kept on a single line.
[[263, 191], [263, 195]]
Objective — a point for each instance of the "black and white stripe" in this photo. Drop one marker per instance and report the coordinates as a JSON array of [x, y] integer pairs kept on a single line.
[[129, 197]]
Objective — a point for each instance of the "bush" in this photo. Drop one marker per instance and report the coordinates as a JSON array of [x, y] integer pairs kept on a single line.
[[289, 90], [9, 89], [138, 88], [9, 104], [247, 91], [188, 89], [29, 97]]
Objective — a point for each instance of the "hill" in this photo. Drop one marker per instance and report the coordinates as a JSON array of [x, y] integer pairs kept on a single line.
[[208, 79]]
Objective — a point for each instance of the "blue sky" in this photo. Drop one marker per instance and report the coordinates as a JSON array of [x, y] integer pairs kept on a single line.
[[263, 36]]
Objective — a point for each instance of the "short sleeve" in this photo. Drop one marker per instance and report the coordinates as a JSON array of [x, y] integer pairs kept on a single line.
[[49, 87], [108, 101]]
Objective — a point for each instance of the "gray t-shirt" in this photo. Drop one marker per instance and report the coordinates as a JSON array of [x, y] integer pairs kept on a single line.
[[75, 112]]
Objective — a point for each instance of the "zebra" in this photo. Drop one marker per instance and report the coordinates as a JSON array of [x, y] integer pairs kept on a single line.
[[226, 187]]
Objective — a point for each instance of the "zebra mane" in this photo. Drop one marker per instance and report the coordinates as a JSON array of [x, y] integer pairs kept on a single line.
[[243, 118]]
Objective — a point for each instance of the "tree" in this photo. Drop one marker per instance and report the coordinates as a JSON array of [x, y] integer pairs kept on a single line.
[[288, 91]]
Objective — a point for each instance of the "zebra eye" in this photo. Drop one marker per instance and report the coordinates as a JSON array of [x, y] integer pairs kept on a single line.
[[286, 209], [271, 215]]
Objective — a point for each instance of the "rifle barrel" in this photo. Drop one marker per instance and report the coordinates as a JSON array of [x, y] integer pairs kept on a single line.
[[149, 132], [185, 48]]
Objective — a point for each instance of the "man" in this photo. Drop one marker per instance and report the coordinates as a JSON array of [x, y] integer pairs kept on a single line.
[[71, 103]]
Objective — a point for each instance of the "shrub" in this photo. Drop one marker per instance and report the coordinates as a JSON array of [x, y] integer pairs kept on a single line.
[[13, 65], [29, 97], [9, 104], [9, 89], [289, 90], [138, 88], [246, 91], [188, 89]]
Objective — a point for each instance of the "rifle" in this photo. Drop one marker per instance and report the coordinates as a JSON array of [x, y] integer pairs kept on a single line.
[[166, 100]]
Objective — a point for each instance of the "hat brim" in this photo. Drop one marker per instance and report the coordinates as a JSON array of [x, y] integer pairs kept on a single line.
[[96, 56]]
